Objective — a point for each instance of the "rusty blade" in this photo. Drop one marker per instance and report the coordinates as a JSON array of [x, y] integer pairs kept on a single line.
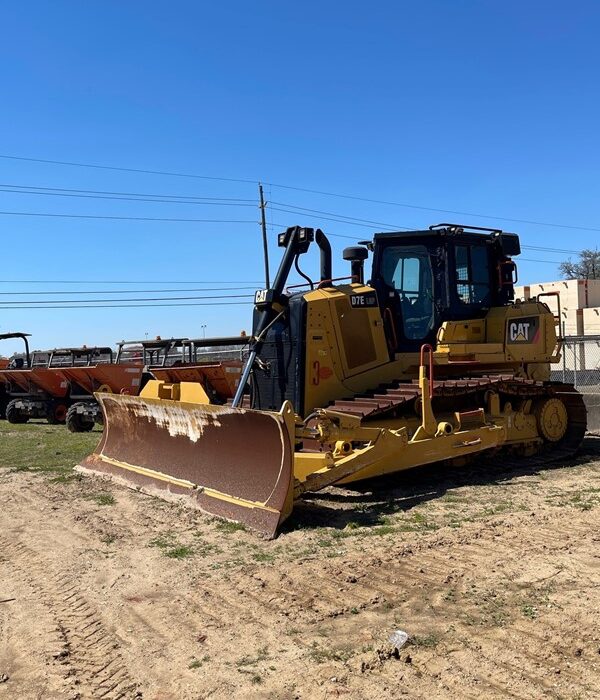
[[233, 463]]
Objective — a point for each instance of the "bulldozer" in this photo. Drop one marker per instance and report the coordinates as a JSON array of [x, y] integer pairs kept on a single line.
[[430, 360]]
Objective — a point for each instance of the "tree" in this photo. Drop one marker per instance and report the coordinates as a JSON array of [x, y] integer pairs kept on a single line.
[[586, 268]]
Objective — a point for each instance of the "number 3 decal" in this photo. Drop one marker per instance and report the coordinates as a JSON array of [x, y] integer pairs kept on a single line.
[[316, 377]]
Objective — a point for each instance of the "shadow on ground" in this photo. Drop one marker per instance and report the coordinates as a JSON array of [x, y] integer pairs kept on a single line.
[[367, 503]]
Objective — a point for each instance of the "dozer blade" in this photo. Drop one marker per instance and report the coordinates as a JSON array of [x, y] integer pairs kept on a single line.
[[229, 462]]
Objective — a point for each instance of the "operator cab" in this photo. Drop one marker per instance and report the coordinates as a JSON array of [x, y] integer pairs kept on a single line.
[[446, 273]]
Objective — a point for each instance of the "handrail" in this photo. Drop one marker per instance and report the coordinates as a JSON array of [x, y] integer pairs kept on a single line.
[[323, 283], [426, 347], [387, 313], [557, 317], [513, 269]]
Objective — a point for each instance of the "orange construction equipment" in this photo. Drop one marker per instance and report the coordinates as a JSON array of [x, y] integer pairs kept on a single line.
[[33, 390], [215, 363], [37, 384], [90, 370], [3, 395]]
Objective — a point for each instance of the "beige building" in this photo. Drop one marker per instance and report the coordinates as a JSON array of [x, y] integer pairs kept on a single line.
[[579, 302]]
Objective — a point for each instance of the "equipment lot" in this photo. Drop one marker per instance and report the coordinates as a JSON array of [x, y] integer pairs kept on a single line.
[[109, 593]]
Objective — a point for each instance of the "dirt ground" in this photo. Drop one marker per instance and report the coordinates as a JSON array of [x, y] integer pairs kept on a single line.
[[493, 572]]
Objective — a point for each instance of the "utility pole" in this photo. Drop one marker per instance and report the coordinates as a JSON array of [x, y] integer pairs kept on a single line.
[[263, 223]]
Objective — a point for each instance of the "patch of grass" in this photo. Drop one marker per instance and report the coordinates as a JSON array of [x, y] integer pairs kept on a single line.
[[227, 526], [529, 611], [354, 611], [492, 607], [262, 654], [501, 507], [39, 447], [198, 663], [428, 641], [381, 530], [108, 539], [321, 655], [181, 552], [163, 541], [263, 556], [171, 547], [203, 549], [256, 679], [66, 478], [104, 499], [453, 498]]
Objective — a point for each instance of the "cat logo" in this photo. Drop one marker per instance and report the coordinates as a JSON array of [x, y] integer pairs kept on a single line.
[[523, 330], [261, 296]]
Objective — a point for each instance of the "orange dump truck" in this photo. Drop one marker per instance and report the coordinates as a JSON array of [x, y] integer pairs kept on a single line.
[[32, 390], [91, 370]]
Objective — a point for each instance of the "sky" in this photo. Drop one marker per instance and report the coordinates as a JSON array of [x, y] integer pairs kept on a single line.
[[483, 113]]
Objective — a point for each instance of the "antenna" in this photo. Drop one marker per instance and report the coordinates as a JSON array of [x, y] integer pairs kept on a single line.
[[263, 223]]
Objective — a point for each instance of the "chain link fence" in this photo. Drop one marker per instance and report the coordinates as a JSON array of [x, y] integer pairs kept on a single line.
[[580, 363]]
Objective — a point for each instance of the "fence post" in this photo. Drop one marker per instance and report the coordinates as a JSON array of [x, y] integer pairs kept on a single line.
[[575, 363], [564, 354]]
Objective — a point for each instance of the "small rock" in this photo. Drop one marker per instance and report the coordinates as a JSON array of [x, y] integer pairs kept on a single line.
[[3, 677], [334, 679], [408, 659]]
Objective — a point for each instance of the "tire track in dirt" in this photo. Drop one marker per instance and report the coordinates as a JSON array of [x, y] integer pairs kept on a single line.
[[403, 581], [92, 653], [45, 649]]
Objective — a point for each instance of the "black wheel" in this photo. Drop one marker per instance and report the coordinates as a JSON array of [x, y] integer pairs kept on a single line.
[[78, 422], [13, 414], [57, 414], [3, 402]]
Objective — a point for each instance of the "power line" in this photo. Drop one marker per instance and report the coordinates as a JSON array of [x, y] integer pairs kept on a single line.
[[549, 262], [226, 221], [128, 218], [126, 282], [127, 194], [341, 218], [126, 291], [130, 170], [128, 306], [301, 189], [180, 200], [443, 211], [22, 303]]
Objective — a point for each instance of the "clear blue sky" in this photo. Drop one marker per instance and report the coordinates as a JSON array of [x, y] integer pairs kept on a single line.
[[483, 107]]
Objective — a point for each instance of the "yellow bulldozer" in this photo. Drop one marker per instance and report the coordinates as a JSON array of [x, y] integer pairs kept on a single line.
[[430, 360]]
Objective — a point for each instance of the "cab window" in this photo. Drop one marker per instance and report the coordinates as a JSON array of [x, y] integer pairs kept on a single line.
[[472, 274], [407, 269]]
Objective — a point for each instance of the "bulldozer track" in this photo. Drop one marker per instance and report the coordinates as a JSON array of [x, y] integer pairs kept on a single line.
[[396, 399], [87, 652]]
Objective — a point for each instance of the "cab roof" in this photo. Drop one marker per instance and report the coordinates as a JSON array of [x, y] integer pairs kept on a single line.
[[508, 242]]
